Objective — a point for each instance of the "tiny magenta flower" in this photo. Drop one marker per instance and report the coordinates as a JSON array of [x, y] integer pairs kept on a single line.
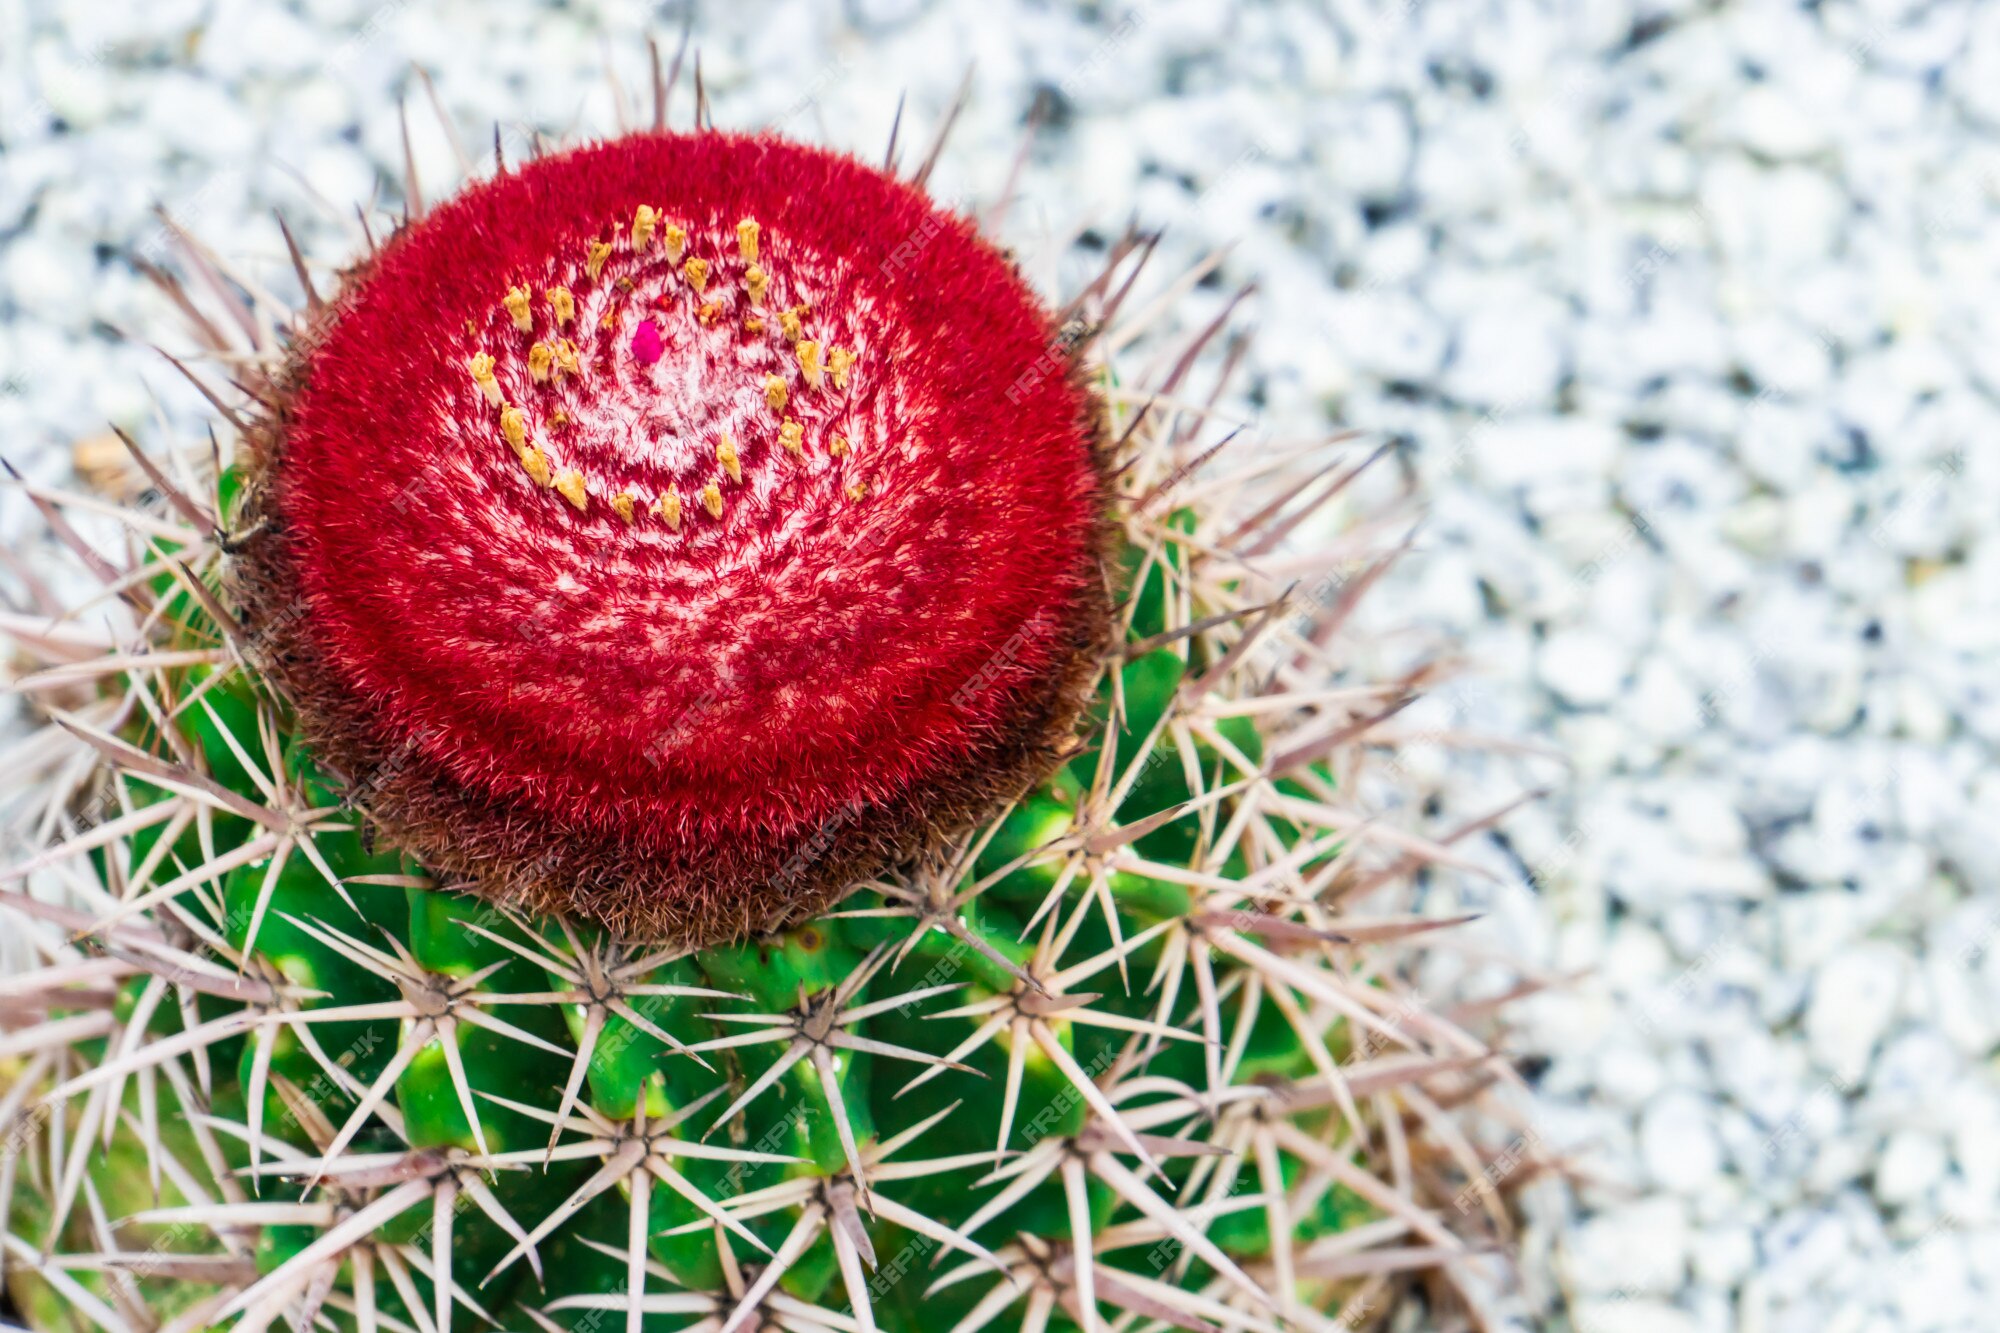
[[670, 614], [646, 345]]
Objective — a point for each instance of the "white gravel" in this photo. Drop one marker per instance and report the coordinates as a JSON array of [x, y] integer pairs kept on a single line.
[[1685, 318]]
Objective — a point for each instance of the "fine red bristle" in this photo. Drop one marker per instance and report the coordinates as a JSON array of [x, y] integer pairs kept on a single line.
[[542, 657]]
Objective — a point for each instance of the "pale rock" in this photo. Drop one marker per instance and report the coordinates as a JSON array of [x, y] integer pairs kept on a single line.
[[1854, 996], [1759, 1073], [1640, 1247], [1911, 1077], [1701, 814], [1911, 1166], [1366, 146], [1771, 123], [1662, 704], [258, 40], [1582, 667], [199, 118], [1803, 1249], [1929, 1283], [1756, 525], [1628, 1075], [1631, 1315], [78, 88], [1923, 713], [1723, 1256], [1677, 1142], [1779, 440], [1386, 334], [1506, 358]]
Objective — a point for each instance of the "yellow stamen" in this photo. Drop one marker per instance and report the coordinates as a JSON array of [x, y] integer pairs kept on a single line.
[[622, 503], [563, 304], [570, 483], [856, 491], [516, 302], [809, 362], [599, 252], [481, 366], [668, 506], [643, 221], [696, 271], [605, 323], [757, 281], [791, 322], [746, 238], [514, 425], [536, 466], [753, 325], [711, 500], [558, 420], [709, 310], [793, 436], [539, 360], [838, 359], [776, 392], [725, 454], [677, 241], [839, 446], [566, 357]]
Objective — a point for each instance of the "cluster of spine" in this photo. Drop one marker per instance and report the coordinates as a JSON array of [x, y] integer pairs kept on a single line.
[[1140, 1051]]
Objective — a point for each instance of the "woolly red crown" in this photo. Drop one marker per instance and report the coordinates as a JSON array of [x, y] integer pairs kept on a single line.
[[678, 528]]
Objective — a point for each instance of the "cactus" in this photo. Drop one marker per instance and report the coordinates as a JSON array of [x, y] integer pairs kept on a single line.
[[705, 761]]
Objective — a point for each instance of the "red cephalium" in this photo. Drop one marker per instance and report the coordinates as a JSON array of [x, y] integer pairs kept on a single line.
[[676, 529]]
